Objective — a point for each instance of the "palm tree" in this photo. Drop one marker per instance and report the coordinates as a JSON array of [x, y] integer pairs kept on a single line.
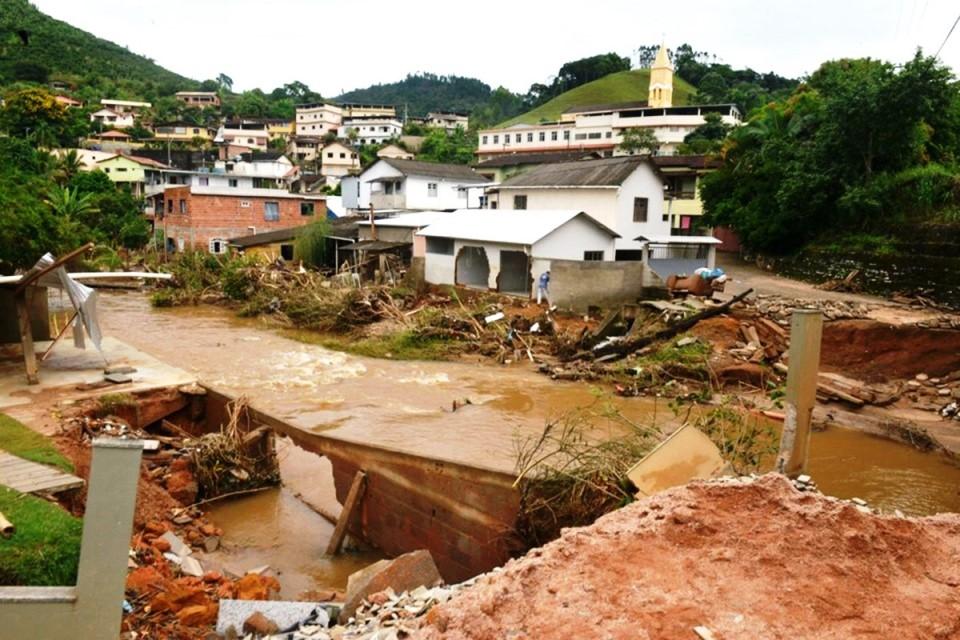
[[43, 136], [68, 166], [73, 210]]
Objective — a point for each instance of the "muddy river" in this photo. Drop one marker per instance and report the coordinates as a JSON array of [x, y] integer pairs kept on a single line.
[[407, 406]]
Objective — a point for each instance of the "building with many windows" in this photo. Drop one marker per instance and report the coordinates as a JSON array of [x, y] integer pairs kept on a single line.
[[370, 129], [198, 98], [600, 127], [447, 120]]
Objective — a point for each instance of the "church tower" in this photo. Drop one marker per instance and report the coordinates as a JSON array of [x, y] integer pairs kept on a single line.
[[661, 80]]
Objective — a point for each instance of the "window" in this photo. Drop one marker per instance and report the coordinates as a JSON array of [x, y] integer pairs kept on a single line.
[[566, 135], [553, 135], [432, 189], [286, 252], [271, 211], [580, 136], [122, 169], [183, 206], [530, 137], [594, 136], [484, 139], [496, 139], [329, 154], [516, 138], [218, 246], [244, 204], [170, 206], [232, 182], [440, 246], [639, 209], [593, 256], [609, 134], [306, 208], [343, 155], [519, 202], [493, 204], [196, 131], [666, 217], [543, 136], [204, 181]]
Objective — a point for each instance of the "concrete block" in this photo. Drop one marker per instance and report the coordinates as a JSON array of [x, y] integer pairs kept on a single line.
[[286, 615], [404, 573]]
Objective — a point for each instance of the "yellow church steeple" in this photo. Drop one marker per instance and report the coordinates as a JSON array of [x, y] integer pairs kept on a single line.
[[661, 80]]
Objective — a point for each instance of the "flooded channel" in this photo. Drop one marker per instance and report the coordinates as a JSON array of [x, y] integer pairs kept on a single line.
[[407, 406]]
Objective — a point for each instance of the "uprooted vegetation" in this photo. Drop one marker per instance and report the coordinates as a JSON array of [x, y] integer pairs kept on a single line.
[[576, 469]]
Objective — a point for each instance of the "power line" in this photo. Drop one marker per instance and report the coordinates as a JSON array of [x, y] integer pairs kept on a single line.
[[949, 33]]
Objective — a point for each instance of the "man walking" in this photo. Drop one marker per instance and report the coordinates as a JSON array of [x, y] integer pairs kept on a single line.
[[543, 287]]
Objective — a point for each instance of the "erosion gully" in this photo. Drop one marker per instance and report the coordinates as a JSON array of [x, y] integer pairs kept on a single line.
[[408, 406]]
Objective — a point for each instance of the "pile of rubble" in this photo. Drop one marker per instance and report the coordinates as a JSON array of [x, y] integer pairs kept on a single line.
[[935, 394], [779, 308]]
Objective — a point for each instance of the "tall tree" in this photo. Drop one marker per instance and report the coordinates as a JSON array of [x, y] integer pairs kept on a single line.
[[639, 140]]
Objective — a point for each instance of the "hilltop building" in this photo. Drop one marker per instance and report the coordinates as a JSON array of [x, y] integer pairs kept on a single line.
[[600, 127], [198, 98]]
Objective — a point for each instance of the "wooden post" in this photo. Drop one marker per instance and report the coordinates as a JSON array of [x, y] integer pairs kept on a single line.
[[23, 301], [349, 507], [806, 328]]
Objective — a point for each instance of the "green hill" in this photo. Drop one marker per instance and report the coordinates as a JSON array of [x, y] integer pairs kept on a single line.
[[625, 86], [66, 53], [424, 92]]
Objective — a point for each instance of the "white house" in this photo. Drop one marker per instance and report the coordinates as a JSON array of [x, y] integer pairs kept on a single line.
[[448, 120], [391, 183], [394, 151], [317, 119], [370, 129], [111, 118], [248, 135], [506, 251], [625, 193]]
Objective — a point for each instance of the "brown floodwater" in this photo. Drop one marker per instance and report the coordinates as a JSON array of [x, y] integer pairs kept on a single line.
[[407, 406]]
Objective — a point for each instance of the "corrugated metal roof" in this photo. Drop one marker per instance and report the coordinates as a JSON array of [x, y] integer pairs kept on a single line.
[[429, 169], [514, 159], [608, 106], [523, 227], [410, 220], [606, 172]]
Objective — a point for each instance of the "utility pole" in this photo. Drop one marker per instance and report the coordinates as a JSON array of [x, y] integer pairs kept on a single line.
[[806, 329]]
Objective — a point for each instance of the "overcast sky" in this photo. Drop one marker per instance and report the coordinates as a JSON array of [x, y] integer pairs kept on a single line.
[[338, 45]]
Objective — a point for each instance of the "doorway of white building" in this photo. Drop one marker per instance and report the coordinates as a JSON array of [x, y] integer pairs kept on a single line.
[[514, 273]]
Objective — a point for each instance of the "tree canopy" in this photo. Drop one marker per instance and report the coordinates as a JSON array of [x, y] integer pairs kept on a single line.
[[863, 145]]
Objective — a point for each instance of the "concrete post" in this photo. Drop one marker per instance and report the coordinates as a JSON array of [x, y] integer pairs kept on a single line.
[[806, 328], [104, 549]]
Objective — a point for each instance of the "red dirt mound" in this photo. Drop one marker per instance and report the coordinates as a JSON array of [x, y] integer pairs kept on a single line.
[[876, 351], [746, 560]]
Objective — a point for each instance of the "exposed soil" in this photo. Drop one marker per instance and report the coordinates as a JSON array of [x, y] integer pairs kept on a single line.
[[877, 351], [746, 560]]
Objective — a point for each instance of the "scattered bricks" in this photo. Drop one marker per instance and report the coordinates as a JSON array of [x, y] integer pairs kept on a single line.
[[182, 486], [199, 615], [404, 573], [144, 580], [256, 587], [161, 545]]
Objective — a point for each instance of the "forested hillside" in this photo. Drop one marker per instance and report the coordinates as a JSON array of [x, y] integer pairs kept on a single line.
[[425, 92]]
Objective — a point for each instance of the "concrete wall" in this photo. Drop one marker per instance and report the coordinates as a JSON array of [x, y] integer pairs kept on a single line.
[[577, 285], [601, 204], [386, 234]]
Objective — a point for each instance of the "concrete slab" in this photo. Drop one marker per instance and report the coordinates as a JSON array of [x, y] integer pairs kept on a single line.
[[32, 477], [69, 366], [284, 614]]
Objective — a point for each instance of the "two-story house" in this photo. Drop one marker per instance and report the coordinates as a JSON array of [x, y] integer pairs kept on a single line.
[[338, 160], [391, 183], [625, 193]]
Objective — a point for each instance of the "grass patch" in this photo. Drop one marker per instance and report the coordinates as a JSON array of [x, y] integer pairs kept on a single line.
[[45, 549], [110, 403], [879, 245], [405, 345], [623, 86], [21, 440]]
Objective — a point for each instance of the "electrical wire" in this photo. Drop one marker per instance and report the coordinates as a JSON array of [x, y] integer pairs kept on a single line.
[[949, 33]]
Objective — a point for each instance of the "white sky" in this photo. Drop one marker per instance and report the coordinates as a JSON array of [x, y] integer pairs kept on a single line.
[[339, 45]]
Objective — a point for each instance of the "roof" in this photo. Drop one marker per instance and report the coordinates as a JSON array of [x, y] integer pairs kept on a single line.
[[607, 106], [524, 227], [125, 103], [547, 157], [263, 156], [147, 162], [267, 237], [687, 162], [374, 245], [605, 172], [195, 93], [430, 169], [113, 134], [678, 239], [245, 193], [415, 220]]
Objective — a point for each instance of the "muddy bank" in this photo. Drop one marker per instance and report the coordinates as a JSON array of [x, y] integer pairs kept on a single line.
[[743, 560]]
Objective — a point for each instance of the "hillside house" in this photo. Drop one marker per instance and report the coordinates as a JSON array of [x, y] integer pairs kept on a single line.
[[110, 118], [506, 251], [317, 119], [182, 131], [448, 120], [206, 218], [132, 107], [681, 190], [280, 244], [130, 171], [394, 151], [501, 167], [338, 160], [399, 228], [390, 183], [198, 99], [370, 129], [243, 136]]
